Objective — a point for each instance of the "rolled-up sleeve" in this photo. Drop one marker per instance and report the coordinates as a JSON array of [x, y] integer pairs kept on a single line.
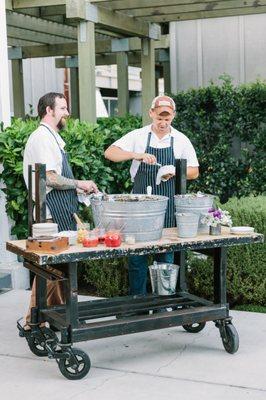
[[190, 155], [126, 142]]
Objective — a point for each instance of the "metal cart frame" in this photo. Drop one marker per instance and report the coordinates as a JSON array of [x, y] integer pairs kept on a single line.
[[80, 321]]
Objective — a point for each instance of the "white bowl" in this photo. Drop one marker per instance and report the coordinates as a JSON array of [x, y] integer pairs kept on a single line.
[[241, 230]]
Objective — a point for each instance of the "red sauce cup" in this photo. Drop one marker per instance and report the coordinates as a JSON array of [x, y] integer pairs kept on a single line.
[[112, 239], [90, 242]]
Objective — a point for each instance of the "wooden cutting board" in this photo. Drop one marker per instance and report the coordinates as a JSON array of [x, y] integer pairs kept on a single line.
[[47, 244]]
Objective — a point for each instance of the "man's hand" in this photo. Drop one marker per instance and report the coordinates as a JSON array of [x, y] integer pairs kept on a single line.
[[145, 157], [87, 186]]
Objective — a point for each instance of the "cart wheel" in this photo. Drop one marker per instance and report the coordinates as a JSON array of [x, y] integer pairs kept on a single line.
[[194, 328], [230, 338], [76, 370], [36, 341]]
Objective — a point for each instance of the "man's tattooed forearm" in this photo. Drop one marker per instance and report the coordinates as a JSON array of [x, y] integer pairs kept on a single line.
[[60, 182]]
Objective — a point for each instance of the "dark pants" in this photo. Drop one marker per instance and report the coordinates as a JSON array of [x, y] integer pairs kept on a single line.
[[138, 269]]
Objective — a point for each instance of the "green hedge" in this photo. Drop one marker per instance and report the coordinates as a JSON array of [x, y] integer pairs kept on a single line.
[[246, 277], [85, 144], [215, 116]]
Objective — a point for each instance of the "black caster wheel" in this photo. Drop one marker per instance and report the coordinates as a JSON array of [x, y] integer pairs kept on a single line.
[[36, 341], [76, 366], [229, 337], [194, 328]]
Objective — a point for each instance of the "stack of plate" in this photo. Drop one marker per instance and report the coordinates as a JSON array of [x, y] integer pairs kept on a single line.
[[44, 229], [241, 230]]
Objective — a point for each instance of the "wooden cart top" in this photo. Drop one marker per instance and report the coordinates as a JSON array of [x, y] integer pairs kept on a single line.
[[169, 242]]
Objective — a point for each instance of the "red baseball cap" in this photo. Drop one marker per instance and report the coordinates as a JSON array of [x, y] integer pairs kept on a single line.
[[163, 104]]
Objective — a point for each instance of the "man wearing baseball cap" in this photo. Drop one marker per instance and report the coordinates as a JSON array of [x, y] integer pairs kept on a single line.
[[158, 143]]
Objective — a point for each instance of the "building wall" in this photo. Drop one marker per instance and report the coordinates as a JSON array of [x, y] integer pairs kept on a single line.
[[202, 50], [41, 76]]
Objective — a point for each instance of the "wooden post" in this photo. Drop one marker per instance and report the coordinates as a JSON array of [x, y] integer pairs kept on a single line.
[[148, 77], [18, 88], [86, 57], [74, 90], [167, 77], [122, 83]]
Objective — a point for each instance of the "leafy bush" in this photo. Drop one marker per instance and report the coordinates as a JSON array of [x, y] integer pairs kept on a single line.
[[12, 144], [85, 144], [112, 129], [108, 278], [246, 279], [215, 116]]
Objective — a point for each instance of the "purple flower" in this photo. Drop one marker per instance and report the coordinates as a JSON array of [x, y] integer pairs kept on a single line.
[[211, 210], [217, 214]]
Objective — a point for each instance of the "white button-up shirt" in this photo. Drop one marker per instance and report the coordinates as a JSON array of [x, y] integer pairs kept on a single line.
[[136, 141], [42, 148]]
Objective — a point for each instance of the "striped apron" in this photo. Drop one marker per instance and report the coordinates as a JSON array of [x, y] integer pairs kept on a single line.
[[63, 203], [146, 176]]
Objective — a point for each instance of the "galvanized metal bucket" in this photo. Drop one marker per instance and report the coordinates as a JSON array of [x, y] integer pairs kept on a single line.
[[187, 224], [163, 278], [143, 219], [195, 203]]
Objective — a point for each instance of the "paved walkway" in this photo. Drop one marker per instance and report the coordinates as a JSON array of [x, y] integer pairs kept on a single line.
[[166, 364]]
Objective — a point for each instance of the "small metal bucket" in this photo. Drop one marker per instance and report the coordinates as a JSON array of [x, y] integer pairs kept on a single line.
[[163, 278], [195, 203], [187, 224]]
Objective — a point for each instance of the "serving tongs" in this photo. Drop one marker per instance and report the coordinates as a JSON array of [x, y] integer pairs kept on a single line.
[[78, 221]]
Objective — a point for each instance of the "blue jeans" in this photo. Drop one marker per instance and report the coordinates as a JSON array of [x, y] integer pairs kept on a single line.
[[138, 269]]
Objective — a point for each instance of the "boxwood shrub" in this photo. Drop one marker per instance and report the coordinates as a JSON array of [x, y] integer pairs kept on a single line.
[[246, 278]]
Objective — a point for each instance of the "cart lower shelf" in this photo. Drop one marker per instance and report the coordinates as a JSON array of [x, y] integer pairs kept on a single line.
[[121, 316]]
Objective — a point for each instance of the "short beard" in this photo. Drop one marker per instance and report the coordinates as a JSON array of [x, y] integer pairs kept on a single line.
[[61, 125]]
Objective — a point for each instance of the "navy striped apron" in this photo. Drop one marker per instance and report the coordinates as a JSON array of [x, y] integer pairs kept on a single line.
[[146, 176], [63, 203]]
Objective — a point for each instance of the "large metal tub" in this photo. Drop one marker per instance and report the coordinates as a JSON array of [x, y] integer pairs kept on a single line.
[[195, 203], [138, 215]]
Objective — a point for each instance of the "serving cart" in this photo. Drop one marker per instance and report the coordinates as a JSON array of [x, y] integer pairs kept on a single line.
[[80, 321]]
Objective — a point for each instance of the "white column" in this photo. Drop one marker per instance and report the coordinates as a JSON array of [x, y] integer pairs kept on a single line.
[[8, 261], [4, 80]]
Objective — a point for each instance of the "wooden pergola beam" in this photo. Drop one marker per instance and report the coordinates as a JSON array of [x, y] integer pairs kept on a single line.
[[9, 5], [37, 37], [70, 49], [150, 12], [52, 11], [134, 59], [17, 44], [113, 21], [40, 25], [17, 4], [207, 14], [126, 5]]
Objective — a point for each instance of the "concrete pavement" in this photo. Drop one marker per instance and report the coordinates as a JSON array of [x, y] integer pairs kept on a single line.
[[166, 364]]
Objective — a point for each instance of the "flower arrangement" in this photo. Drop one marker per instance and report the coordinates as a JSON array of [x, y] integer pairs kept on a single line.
[[217, 217]]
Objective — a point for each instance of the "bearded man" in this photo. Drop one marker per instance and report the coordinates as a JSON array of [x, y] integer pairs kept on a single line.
[[46, 146]]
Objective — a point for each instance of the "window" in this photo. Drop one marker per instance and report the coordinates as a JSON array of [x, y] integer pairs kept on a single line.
[[111, 105]]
